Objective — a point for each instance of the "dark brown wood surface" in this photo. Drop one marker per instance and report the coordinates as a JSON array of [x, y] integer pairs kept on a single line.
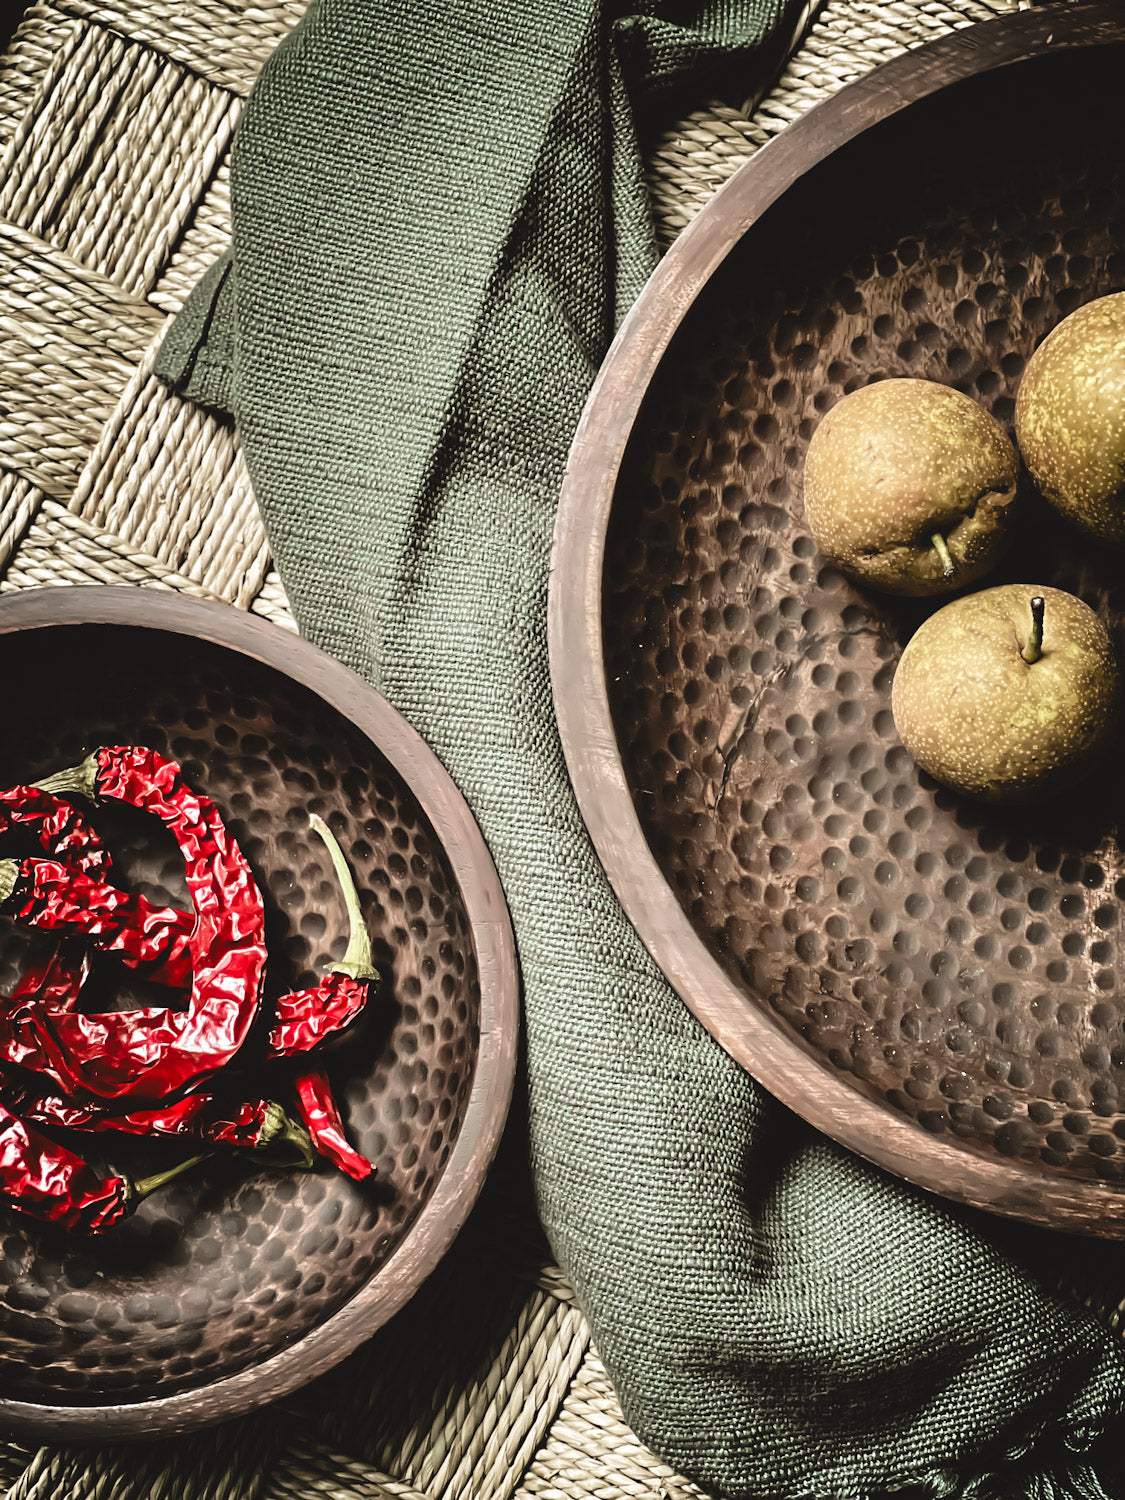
[[251, 640], [752, 1033]]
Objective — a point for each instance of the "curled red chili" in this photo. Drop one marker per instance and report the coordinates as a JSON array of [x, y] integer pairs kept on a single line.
[[45, 894], [154, 1051]]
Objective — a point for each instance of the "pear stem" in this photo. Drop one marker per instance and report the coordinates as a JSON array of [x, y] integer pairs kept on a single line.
[[939, 545], [1034, 648]]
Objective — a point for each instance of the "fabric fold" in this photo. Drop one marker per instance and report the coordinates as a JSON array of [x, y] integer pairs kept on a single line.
[[198, 351], [439, 218]]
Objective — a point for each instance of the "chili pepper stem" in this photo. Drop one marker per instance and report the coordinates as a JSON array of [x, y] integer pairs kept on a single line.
[[357, 960], [938, 542], [75, 781], [279, 1127], [1034, 648], [9, 874], [142, 1186]]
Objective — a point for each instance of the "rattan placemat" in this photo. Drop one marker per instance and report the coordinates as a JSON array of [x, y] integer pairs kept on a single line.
[[115, 128]]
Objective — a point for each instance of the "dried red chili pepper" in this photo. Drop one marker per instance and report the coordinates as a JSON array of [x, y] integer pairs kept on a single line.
[[45, 894], [252, 1125], [57, 977], [64, 832], [318, 1110], [44, 1179], [306, 1018], [152, 1052], [303, 1020], [61, 828]]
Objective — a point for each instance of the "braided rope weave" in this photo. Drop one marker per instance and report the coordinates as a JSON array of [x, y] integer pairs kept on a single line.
[[107, 477]]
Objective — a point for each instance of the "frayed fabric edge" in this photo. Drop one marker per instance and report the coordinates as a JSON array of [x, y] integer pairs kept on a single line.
[[1079, 1472]]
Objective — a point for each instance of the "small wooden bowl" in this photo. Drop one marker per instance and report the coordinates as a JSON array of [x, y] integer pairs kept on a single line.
[[240, 1284], [937, 985]]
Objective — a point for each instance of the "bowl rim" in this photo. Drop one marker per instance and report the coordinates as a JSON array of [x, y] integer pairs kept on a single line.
[[462, 1177], [752, 1037]]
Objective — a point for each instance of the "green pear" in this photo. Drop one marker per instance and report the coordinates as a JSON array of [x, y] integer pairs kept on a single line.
[[909, 487], [1006, 694], [1070, 417]]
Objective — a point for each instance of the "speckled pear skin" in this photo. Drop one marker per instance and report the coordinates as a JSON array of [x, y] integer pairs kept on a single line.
[[979, 718], [1070, 417], [895, 461]]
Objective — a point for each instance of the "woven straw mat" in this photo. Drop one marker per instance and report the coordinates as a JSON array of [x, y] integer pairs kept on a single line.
[[115, 130]]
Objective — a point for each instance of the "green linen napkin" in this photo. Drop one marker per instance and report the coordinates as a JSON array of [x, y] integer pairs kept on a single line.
[[439, 217]]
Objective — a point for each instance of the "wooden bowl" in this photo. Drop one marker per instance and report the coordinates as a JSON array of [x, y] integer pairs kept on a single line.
[[937, 985], [241, 1283]]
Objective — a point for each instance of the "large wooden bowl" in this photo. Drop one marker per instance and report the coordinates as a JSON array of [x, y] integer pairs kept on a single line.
[[242, 1283], [936, 985]]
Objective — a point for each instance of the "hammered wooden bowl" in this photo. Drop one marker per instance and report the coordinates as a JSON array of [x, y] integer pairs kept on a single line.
[[937, 985], [240, 1283]]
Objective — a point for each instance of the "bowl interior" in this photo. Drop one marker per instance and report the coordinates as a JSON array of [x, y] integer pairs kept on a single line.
[[218, 1273], [958, 966]]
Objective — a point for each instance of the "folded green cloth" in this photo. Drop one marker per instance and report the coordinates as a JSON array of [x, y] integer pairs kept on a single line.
[[439, 217]]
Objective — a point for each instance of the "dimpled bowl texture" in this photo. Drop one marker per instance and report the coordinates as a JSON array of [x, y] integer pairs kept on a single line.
[[935, 982], [214, 1275]]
